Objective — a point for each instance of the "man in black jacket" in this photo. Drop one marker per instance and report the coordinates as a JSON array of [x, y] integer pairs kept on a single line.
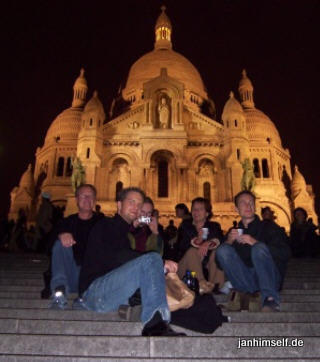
[[68, 250], [254, 256], [112, 271]]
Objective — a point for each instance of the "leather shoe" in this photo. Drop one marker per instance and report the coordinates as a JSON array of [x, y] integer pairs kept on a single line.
[[160, 329]]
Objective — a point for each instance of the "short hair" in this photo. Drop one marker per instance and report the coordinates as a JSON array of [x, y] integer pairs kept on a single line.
[[122, 194], [244, 192], [267, 208], [91, 187], [183, 207], [301, 209], [207, 205], [148, 200]]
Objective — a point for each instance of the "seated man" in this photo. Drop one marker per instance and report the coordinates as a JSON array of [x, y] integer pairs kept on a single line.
[[255, 260], [68, 250], [195, 251], [144, 232], [112, 271]]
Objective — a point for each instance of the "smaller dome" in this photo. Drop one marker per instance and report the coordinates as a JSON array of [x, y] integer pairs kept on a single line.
[[27, 180], [260, 127], [94, 104], [298, 182], [66, 126], [232, 106], [163, 19]]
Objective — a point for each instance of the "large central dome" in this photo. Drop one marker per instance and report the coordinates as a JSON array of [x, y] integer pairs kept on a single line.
[[178, 67], [149, 65]]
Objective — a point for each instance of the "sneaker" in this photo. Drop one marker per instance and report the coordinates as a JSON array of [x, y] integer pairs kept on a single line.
[[78, 304], [269, 305], [58, 300], [225, 289], [130, 314]]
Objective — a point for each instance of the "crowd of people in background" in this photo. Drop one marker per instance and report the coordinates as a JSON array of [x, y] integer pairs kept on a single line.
[[303, 237]]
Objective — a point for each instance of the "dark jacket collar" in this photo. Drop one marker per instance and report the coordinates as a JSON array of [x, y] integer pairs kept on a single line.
[[253, 225], [121, 222]]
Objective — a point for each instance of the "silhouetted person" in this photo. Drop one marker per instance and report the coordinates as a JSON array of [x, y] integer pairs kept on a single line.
[[170, 233], [17, 240], [44, 223], [303, 238], [267, 214]]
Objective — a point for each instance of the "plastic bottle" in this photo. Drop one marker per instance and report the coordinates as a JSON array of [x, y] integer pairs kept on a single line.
[[195, 283], [188, 279]]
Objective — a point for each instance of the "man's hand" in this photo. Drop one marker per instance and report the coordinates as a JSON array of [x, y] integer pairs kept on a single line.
[[247, 239], [171, 266], [136, 223], [232, 236], [153, 226], [66, 240], [203, 248]]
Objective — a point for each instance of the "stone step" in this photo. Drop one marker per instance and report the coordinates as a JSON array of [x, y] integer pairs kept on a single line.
[[156, 347], [20, 288], [39, 282], [109, 328], [30, 282], [70, 314], [33, 303], [75, 315], [35, 295]]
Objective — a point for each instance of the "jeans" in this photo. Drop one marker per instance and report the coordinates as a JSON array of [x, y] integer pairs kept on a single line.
[[263, 276], [64, 269], [108, 292]]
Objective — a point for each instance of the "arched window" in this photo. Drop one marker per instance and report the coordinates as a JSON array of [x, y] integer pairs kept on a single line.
[[119, 187], [60, 166], [91, 121], [207, 190], [236, 123], [256, 168], [69, 167], [265, 168], [163, 182], [238, 154], [88, 152]]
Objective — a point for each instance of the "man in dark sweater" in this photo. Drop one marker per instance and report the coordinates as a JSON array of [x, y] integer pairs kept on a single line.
[[254, 256], [112, 271], [69, 249]]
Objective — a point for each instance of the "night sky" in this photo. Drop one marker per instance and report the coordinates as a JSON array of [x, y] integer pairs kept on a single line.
[[44, 45]]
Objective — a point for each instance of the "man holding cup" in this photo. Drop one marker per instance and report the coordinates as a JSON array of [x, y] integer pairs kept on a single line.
[[255, 255]]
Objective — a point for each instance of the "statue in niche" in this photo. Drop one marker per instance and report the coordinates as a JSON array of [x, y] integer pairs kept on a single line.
[[248, 180], [164, 113], [78, 174], [205, 169]]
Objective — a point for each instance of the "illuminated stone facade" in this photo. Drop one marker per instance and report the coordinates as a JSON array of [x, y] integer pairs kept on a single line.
[[163, 136]]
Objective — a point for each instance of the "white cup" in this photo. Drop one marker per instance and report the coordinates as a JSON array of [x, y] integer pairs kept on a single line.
[[205, 233], [240, 232]]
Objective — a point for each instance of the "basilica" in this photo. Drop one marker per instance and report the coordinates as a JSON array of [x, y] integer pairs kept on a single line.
[[162, 134]]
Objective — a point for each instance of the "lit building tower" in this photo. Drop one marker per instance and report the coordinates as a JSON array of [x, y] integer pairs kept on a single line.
[[302, 194], [53, 168], [80, 89], [90, 141], [267, 155], [236, 145], [163, 29], [22, 196]]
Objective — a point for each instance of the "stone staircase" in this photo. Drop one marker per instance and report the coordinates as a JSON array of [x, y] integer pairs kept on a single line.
[[29, 331]]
